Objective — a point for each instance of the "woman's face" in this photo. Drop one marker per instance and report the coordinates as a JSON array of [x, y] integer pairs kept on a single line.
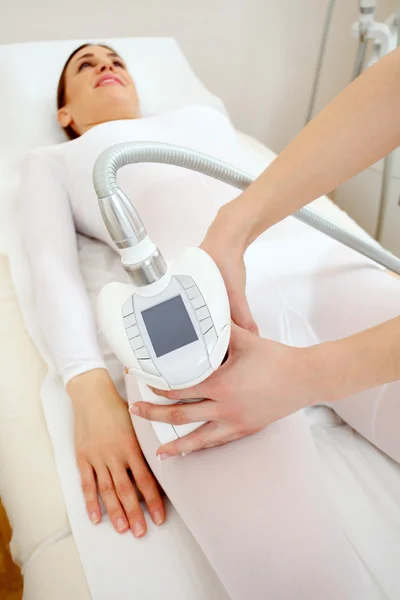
[[98, 89]]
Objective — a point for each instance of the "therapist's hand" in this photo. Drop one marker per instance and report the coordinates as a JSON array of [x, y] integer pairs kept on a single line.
[[261, 381], [223, 244]]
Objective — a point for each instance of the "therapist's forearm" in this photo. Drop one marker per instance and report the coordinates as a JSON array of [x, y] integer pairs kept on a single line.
[[356, 129], [359, 362]]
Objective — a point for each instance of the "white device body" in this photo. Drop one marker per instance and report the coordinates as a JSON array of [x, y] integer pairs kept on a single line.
[[172, 334]]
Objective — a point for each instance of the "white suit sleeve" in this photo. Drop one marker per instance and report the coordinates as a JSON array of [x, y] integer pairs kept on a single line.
[[62, 304]]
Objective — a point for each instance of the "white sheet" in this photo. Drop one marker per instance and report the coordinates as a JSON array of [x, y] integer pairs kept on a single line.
[[364, 485]]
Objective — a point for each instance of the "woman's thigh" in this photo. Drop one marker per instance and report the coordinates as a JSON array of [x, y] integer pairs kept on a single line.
[[257, 507], [259, 512], [346, 295], [328, 292], [368, 298]]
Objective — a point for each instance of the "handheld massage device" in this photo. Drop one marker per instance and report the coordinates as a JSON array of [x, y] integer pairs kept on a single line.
[[170, 326], [172, 333]]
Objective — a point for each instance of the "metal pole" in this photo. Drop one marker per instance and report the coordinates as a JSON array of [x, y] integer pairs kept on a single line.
[[317, 74], [387, 173]]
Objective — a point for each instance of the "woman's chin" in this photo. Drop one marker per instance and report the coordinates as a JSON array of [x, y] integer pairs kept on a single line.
[[117, 96]]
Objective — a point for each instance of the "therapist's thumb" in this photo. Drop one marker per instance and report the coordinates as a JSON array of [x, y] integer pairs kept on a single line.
[[241, 313]]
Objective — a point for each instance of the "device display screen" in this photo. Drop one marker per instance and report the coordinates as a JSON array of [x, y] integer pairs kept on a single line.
[[169, 326]]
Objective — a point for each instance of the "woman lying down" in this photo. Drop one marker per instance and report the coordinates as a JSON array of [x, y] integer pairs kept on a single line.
[[257, 507]]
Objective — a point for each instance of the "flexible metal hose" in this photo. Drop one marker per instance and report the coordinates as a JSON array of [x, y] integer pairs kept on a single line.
[[120, 155]]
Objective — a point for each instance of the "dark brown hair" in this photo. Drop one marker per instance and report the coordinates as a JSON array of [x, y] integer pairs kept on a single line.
[[61, 90]]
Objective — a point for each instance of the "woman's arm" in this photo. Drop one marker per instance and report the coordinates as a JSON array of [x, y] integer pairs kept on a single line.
[[105, 443], [62, 304]]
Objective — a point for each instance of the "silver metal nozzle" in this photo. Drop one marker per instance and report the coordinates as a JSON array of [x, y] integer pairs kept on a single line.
[[122, 220]]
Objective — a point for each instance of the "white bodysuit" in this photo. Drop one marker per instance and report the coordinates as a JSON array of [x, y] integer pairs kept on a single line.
[[57, 198], [256, 507]]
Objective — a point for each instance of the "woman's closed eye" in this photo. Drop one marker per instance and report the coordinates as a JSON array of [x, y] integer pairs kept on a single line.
[[84, 65]]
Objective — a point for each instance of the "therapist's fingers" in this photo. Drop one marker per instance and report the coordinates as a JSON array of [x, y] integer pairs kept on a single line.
[[177, 414], [232, 267], [240, 311], [128, 499], [110, 499], [89, 488], [147, 485], [207, 436], [202, 390]]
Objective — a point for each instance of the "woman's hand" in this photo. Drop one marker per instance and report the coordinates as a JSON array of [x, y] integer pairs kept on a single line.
[[106, 450], [261, 381], [224, 245]]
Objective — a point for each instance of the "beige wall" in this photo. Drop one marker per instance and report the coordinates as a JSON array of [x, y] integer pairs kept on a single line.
[[258, 55]]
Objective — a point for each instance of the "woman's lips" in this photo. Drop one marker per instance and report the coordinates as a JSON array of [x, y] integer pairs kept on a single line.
[[108, 80]]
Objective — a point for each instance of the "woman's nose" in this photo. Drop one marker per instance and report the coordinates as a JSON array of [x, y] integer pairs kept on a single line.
[[105, 66]]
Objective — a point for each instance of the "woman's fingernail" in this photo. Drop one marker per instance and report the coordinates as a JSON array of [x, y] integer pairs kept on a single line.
[[121, 524], [135, 410], [163, 456], [185, 453], [94, 517], [158, 517], [138, 529]]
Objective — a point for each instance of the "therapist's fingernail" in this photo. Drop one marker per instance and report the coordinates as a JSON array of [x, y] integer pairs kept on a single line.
[[163, 456], [135, 410], [94, 517]]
